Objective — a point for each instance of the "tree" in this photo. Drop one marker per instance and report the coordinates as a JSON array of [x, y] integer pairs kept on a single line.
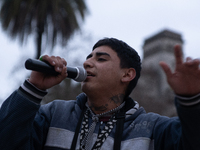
[[57, 19]]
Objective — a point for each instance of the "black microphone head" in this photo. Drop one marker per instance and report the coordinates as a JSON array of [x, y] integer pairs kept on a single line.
[[81, 74]]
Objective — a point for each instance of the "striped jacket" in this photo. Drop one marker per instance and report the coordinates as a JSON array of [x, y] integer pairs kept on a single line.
[[25, 125]]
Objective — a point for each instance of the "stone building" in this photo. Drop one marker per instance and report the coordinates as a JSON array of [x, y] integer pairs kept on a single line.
[[153, 92]]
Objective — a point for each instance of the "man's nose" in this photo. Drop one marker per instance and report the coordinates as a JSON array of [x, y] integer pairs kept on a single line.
[[88, 63]]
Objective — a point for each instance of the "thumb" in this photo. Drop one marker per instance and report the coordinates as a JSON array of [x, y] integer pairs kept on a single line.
[[166, 69]]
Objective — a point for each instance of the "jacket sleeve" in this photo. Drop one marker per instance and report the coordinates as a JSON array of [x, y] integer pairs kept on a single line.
[[22, 126], [182, 132], [188, 110]]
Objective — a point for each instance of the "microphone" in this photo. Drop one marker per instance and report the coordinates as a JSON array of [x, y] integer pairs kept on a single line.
[[76, 73]]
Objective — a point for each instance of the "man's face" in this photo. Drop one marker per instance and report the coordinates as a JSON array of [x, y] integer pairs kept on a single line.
[[104, 72]]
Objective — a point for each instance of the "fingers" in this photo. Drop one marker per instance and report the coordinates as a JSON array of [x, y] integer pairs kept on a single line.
[[166, 69], [56, 61], [178, 54], [193, 63], [179, 58]]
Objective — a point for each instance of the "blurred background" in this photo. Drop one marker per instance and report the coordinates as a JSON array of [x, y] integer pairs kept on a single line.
[[70, 29]]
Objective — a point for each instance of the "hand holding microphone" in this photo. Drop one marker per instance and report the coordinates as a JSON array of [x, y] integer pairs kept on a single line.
[[51, 71]]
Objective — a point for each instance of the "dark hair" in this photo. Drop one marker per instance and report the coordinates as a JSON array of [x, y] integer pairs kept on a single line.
[[129, 58]]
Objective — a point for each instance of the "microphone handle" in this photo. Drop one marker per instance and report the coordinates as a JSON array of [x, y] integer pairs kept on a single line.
[[44, 67]]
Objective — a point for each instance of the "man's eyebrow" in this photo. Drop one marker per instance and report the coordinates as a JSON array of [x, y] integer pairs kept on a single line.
[[102, 53], [89, 56], [98, 54]]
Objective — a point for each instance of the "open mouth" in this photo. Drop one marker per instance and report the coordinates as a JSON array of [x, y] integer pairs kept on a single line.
[[89, 74]]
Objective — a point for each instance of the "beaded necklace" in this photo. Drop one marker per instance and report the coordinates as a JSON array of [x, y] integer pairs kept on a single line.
[[86, 137]]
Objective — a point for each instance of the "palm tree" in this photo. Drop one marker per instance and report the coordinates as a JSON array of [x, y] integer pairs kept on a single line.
[[57, 19]]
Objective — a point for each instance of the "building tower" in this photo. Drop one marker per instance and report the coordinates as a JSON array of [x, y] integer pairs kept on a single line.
[[153, 92]]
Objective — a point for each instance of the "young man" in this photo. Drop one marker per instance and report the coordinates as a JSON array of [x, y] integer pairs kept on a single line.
[[103, 116]]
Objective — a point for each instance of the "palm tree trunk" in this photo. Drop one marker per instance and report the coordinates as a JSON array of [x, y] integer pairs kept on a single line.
[[40, 30]]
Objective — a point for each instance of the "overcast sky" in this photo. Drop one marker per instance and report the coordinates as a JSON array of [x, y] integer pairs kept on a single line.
[[129, 20]]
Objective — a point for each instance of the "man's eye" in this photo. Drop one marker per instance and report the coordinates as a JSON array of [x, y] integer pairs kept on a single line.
[[101, 59]]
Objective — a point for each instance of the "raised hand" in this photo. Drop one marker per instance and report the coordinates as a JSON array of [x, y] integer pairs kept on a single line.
[[185, 80]]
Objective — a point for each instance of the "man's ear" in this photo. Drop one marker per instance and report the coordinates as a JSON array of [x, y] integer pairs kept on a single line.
[[129, 74]]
